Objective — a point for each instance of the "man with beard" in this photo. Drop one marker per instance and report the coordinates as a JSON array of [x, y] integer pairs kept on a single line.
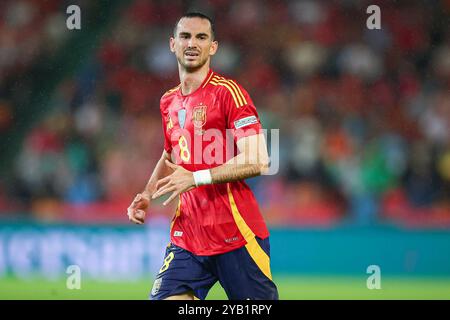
[[217, 232]]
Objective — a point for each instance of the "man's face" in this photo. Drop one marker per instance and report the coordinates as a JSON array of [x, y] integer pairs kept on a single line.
[[193, 44]]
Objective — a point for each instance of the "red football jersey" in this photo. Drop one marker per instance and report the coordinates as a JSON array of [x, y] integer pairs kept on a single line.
[[201, 130]]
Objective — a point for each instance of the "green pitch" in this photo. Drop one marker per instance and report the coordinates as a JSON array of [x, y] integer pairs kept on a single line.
[[290, 288]]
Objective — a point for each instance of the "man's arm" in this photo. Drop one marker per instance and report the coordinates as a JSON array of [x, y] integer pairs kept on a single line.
[[161, 170], [252, 161], [137, 209]]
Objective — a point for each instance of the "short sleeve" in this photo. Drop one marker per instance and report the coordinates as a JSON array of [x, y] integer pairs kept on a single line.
[[241, 115]]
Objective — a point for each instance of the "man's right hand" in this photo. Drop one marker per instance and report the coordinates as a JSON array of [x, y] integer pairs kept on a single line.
[[137, 209]]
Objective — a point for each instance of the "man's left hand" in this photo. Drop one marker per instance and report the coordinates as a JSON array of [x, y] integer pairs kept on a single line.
[[181, 180]]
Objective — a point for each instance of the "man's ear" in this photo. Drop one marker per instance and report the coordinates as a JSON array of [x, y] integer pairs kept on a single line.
[[213, 48], [172, 44]]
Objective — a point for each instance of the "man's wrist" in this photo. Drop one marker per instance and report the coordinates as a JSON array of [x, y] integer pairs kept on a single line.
[[202, 177], [145, 194]]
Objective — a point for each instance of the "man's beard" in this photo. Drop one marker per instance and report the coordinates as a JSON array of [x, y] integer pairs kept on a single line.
[[192, 68]]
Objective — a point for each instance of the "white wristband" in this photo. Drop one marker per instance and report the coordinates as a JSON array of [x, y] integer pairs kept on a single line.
[[202, 177]]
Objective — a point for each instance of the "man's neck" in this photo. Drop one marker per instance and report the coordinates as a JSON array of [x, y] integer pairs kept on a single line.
[[191, 81]]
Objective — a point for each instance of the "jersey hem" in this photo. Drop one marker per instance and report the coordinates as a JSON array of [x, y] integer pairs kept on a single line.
[[211, 252]]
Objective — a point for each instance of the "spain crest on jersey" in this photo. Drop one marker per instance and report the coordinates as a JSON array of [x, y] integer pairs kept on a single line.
[[199, 118]]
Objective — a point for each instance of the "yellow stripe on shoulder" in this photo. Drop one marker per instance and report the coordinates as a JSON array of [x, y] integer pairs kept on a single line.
[[209, 78], [171, 90], [229, 89], [235, 89], [238, 99], [239, 91]]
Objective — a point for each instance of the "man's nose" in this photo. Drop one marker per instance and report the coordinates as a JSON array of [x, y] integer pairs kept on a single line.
[[192, 43]]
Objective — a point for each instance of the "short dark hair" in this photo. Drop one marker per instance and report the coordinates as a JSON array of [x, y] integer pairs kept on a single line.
[[196, 15]]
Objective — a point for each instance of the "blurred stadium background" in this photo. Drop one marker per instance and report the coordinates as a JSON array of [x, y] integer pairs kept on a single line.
[[364, 119]]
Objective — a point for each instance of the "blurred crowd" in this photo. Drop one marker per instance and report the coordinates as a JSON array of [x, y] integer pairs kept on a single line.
[[364, 115], [29, 30]]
